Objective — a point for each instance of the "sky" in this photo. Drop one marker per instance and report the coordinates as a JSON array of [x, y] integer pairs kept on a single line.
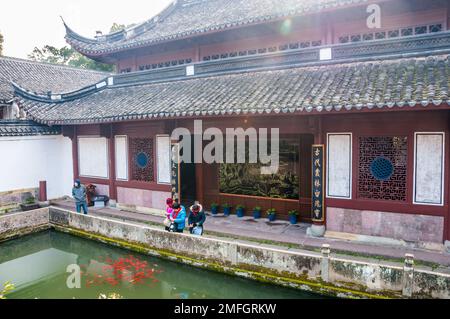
[[26, 24]]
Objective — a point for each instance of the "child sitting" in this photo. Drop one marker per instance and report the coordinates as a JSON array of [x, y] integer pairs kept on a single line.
[[169, 211]]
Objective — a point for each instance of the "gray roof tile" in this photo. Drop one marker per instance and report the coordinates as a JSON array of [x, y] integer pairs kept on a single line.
[[42, 77], [26, 128], [190, 18], [372, 84]]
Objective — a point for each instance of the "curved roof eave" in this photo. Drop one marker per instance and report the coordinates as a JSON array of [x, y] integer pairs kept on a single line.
[[94, 49]]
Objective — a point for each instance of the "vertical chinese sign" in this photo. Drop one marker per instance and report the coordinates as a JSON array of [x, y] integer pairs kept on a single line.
[[318, 204], [175, 171]]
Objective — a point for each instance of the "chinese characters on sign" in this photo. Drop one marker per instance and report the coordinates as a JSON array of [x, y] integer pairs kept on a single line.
[[318, 208], [175, 171]]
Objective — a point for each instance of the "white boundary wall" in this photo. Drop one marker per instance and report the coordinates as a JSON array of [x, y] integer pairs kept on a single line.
[[24, 161]]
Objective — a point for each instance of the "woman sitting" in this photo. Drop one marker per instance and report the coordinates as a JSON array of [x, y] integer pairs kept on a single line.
[[196, 219]]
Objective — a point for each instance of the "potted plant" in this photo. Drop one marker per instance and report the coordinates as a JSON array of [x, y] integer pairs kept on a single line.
[[226, 209], [257, 212], [272, 214], [240, 209], [293, 216], [214, 208], [29, 204]]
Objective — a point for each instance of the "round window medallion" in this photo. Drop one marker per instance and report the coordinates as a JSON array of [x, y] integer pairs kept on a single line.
[[382, 168], [142, 160]]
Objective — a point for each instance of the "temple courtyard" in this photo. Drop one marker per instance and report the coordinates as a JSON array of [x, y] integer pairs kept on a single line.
[[284, 235]]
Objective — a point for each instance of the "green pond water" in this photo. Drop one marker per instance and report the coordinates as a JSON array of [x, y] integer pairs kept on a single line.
[[37, 266]]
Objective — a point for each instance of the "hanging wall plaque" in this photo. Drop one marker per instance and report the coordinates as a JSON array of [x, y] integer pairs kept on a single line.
[[318, 204], [175, 171]]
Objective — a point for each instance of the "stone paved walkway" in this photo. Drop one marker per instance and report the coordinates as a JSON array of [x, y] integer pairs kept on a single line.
[[280, 233]]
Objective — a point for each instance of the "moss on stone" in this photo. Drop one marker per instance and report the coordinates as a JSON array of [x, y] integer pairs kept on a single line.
[[258, 273]]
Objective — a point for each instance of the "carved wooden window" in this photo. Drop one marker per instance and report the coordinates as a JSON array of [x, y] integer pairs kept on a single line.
[[304, 45], [141, 150], [407, 32], [436, 27], [355, 38], [421, 30], [383, 168], [380, 35], [393, 33], [344, 39], [368, 37]]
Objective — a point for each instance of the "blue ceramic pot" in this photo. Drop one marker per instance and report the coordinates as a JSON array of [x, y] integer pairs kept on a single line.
[[214, 211], [272, 217], [227, 211], [256, 214], [240, 212], [293, 219]]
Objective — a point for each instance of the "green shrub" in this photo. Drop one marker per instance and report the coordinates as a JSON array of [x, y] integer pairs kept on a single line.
[[271, 211], [30, 200], [293, 213], [7, 288]]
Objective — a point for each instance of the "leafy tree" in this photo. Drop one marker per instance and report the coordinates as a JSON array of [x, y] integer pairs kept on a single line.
[[117, 27], [1, 44], [67, 56]]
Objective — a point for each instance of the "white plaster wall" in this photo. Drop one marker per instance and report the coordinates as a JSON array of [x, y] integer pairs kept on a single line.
[[93, 156], [24, 161], [163, 159], [339, 165], [121, 147], [429, 168]]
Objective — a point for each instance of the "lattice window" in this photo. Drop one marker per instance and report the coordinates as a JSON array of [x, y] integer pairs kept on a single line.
[[383, 168], [141, 150], [304, 45], [368, 37], [436, 27], [344, 39], [421, 30], [380, 35], [407, 32], [355, 38], [393, 33]]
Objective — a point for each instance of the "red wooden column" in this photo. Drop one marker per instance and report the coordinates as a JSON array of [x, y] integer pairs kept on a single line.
[[107, 131]]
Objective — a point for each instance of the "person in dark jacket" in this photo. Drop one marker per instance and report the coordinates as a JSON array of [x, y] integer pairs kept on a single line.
[[196, 219], [79, 194]]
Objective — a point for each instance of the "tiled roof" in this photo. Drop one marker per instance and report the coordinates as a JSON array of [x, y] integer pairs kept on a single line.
[[400, 82], [187, 18], [26, 128], [42, 77]]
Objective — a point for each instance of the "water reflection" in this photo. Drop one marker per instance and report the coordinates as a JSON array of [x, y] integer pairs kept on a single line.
[[37, 265]]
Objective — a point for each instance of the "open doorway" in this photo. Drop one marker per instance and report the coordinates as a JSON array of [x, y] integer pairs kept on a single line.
[[188, 183]]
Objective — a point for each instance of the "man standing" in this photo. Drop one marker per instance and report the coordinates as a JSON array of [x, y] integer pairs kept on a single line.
[[79, 194]]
